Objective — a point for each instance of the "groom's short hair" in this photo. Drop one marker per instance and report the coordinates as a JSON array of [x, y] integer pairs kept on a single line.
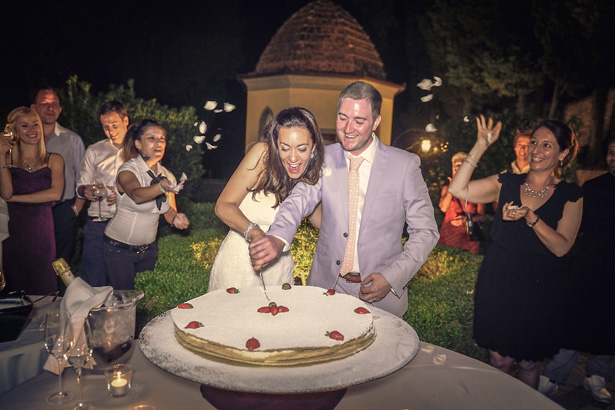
[[360, 90]]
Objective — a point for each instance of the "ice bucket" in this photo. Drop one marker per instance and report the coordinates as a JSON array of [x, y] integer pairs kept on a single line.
[[113, 330]]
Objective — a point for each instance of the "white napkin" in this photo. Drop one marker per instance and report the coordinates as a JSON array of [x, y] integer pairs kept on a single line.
[[79, 298]]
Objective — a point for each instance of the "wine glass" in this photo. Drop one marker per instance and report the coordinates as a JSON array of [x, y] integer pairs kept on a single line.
[[78, 356], [58, 341], [8, 132], [99, 190]]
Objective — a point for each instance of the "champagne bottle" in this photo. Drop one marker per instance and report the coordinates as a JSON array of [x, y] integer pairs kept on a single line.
[[62, 269]]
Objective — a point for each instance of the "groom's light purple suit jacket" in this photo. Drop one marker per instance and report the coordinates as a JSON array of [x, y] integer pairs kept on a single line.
[[396, 193]]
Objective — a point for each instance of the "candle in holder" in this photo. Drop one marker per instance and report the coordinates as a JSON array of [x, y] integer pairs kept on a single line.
[[119, 379]]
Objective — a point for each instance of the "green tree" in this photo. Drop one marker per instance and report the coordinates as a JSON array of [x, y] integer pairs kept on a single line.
[[485, 48], [80, 113]]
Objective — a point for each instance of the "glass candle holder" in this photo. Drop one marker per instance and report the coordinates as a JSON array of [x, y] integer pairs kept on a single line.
[[119, 379]]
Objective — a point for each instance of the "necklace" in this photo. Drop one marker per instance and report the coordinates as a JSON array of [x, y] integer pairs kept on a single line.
[[528, 191], [29, 168]]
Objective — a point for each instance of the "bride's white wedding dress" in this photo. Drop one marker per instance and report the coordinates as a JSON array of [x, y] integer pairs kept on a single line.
[[232, 266]]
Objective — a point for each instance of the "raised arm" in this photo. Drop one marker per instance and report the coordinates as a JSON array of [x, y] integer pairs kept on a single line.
[[245, 177], [481, 191], [127, 182]]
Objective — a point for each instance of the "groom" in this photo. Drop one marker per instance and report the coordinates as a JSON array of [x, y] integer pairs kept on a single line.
[[359, 249]]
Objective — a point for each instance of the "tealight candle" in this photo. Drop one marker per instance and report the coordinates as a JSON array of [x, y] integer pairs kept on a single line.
[[119, 386], [119, 379]]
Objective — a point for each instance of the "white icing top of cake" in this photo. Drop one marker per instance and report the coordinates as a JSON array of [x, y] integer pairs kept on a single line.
[[232, 319]]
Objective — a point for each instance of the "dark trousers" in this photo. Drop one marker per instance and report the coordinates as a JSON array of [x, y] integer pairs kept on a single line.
[[94, 271], [64, 222], [123, 264]]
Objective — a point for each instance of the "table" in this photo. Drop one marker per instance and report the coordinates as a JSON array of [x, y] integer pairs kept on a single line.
[[438, 379], [24, 358]]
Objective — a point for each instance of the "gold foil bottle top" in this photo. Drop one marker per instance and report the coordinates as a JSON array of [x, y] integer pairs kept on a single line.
[[60, 266]]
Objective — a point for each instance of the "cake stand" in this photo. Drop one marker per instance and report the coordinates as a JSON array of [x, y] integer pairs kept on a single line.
[[395, 345]]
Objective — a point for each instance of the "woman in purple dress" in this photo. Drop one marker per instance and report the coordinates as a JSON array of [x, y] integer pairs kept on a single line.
[[31, 180]]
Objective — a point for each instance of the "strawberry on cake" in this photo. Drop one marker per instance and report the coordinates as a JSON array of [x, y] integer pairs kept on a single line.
[[300, 325]]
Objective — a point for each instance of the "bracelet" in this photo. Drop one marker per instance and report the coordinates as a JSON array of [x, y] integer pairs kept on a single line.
[[532, 224], [245, 232], [173, 220], [469, 163], [4, 166]]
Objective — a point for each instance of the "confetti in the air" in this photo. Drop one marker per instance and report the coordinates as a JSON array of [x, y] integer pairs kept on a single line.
[[199, 139], [203, 127], [210, 105], [427, 98], [228, 107], [210, 147], [217, 137], [430, 128], [188, 147]]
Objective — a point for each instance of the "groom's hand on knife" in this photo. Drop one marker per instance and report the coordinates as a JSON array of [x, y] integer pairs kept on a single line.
[[265, 250]]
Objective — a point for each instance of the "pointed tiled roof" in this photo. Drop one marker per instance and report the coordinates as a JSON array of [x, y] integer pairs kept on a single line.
[[321, 38]]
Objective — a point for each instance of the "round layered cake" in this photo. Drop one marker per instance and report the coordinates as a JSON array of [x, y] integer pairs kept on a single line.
[[298, 325]]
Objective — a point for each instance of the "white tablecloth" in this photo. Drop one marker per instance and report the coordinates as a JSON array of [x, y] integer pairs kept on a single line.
[[24, 358], [458, 382]]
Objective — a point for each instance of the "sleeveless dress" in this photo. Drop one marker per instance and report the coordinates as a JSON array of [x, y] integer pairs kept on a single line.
[[520, 285], [232, 266], [30, 249]]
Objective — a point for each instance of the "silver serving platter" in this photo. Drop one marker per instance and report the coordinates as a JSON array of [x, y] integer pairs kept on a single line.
[[395, 346]]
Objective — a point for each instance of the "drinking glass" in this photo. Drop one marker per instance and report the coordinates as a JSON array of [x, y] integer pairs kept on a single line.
[[78, 356], [99, 190], [2, 279], [9, 133], [58, 341]]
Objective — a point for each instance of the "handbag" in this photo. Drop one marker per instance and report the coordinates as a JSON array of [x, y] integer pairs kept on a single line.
[[472, 228]]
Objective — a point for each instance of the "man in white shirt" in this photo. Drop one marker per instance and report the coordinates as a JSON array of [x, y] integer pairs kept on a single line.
[[69, 144], [100, 165]]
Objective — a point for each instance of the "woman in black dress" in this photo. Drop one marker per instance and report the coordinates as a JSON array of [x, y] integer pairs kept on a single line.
[[522, 275]]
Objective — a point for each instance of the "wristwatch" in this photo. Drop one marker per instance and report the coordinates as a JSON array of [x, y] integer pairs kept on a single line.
[[531, 224]]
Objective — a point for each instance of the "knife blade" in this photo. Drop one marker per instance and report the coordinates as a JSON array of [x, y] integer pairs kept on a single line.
[[260, 273]]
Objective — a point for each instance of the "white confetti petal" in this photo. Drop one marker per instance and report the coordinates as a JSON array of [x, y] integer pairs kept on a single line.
[[203, 127], [188, 147], [427, 98], [196, 123], [466, 119], [210, 105], [430, 128], [199, 139], [426, 84], [438, 81], [218, 110], [209, 146], [228, 107], [217, 137]]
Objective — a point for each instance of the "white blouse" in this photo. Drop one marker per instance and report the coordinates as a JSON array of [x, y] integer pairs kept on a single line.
[[137, 224]]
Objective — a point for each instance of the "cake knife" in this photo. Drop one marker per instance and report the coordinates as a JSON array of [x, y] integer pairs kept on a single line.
[[260, 272]]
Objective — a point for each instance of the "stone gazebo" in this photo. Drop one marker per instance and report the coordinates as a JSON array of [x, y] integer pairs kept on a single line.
[[317, 52]]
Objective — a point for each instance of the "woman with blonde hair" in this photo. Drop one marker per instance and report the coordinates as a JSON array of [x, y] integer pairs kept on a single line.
[[31, 180], [454, 230]]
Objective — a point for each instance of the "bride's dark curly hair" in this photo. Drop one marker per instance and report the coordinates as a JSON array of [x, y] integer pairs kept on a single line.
[[273, 178]]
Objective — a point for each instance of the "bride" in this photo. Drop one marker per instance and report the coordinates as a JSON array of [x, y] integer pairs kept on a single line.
[[290, 149]]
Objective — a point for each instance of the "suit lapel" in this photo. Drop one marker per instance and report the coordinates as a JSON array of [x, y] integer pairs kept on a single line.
[[340, 172], [375, 179]]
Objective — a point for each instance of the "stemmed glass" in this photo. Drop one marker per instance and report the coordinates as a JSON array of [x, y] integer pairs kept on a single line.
[[9, 133], [58, 341], [78, 356], [99, 190]]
